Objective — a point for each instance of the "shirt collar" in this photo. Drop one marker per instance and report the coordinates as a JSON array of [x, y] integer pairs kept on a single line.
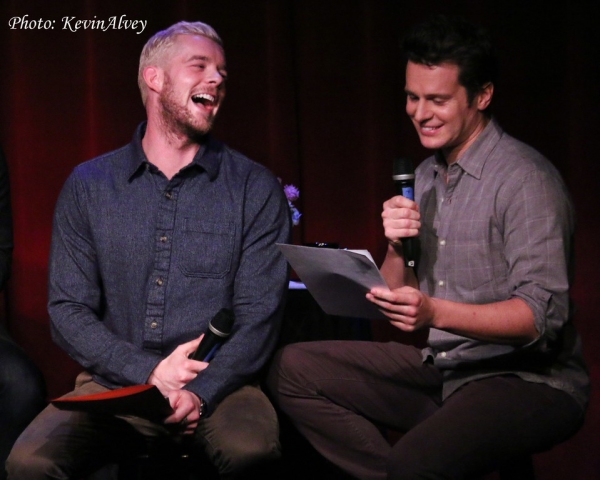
[[473, 160], [208, 157]]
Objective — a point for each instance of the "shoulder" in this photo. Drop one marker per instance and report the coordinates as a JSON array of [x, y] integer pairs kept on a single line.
[[520, 164], [94, 179], [112, 165], [237, 167]]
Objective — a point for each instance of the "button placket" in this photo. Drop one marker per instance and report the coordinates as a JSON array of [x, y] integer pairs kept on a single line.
[[155, 305]]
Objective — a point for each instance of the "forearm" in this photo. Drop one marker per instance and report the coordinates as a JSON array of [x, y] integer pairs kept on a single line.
[[510, 321], [86, 339], [259, 292], [395, 273]]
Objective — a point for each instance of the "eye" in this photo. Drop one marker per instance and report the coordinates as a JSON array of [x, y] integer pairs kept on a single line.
[[439, 101]]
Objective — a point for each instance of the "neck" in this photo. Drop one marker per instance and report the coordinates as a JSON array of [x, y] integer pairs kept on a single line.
[[167, 150], [453, 154]]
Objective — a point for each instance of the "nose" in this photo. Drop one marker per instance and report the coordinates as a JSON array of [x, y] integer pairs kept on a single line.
[[215, 77], [418, 110]]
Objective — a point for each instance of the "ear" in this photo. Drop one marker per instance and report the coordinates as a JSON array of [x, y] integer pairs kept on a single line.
[[154, 78], [484, 97]]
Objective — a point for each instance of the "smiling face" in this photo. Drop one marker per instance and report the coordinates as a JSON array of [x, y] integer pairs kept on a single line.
[[439, 108], [193, 86]]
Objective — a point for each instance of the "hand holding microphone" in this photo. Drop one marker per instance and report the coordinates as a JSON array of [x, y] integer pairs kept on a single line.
[[404, 180], [219, 328]]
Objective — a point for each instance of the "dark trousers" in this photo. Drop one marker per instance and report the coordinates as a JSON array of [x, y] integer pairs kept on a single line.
[[343, 395], [22, 394], [242, 431]]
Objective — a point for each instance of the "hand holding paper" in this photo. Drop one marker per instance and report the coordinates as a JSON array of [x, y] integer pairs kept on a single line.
[[338, 279]]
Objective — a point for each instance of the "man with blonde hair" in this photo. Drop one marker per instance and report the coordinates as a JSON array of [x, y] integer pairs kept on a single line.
[[149, 243]]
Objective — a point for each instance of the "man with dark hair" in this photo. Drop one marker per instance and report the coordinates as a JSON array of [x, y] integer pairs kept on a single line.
[[502, 376], [149, 243]]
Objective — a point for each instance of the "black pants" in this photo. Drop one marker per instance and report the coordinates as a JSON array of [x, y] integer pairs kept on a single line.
[[341, 394]]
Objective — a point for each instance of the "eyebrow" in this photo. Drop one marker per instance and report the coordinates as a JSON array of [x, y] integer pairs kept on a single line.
[[429, 96], [204, 58]]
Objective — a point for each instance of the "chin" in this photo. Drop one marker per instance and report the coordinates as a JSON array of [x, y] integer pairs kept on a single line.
[[431, 143]]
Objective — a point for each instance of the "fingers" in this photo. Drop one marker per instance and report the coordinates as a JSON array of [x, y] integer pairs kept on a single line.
[[177, 370], [400, 202], [398, 296], [401, 218], [186, 411], [401, 305], [190, 347]]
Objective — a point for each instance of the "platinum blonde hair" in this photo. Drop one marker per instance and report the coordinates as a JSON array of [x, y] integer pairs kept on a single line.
[[158, 45]]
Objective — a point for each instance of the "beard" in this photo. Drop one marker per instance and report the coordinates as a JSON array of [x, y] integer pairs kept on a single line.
[[179, 120]]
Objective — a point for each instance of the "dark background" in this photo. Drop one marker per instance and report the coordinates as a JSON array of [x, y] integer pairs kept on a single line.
[[315, 93]]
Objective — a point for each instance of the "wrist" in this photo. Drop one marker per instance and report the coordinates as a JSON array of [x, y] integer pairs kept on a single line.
[[395, 248], [434, 318], [202, 407]]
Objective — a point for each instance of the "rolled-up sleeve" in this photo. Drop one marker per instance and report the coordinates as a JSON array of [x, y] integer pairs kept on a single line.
[[539, 224]]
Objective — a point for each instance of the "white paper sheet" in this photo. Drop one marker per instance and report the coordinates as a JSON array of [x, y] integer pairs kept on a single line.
[[337, 279]]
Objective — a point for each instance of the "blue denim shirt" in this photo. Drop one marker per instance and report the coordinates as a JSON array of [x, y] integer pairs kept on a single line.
[[140, 264]]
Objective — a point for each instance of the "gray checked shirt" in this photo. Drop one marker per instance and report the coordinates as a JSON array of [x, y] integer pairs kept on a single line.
[[501, 227]]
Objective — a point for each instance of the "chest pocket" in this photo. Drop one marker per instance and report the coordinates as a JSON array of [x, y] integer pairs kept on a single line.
[[206, 249]]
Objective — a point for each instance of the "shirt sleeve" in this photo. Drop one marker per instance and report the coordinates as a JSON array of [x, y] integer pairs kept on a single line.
[[76, 301], [539, 225], [259, 292]]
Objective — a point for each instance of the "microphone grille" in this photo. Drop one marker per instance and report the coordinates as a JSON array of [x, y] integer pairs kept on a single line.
[[222, 323], [403, 166]]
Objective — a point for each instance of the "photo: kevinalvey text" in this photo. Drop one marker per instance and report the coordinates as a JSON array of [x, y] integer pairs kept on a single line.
[[73, 24]]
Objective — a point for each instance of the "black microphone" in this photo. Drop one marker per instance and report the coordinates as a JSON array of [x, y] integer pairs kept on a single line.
[[219, 328], [404, 179]]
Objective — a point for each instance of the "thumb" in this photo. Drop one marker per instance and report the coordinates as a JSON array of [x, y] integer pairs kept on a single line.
[[191, 346]]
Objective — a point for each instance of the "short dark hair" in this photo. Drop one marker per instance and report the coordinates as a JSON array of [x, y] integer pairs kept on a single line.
[[452, 39]]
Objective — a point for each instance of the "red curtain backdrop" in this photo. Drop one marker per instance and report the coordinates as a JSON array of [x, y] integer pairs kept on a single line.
[[315, 94]]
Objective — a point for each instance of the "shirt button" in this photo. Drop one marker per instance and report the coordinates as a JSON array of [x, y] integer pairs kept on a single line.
[[163, 239], [443, 354], [442, 242], [441, 283], [153, 325], [169, 195], [159, 281]]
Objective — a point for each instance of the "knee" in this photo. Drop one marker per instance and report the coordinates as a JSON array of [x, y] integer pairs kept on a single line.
[[23, 465], [288, 374], [239, 455], [242, 432], [248, 447]]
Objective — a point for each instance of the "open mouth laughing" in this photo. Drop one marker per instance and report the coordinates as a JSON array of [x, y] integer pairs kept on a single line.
[[205, 99]]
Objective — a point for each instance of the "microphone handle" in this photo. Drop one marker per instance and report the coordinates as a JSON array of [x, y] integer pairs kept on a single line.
[[207, 348], [406, 188]]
